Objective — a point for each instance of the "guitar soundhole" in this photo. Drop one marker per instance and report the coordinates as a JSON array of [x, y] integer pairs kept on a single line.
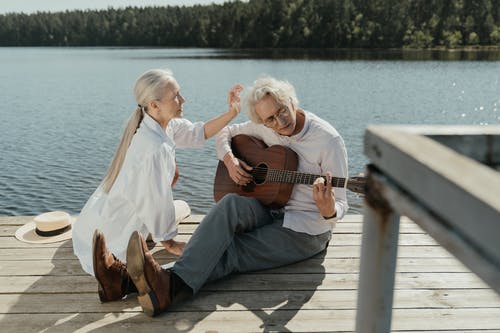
[[259, 173]]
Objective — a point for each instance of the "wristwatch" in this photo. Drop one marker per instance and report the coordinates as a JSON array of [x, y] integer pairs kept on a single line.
[[330, 217]]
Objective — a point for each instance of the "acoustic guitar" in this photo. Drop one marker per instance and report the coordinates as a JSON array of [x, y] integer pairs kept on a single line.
[[274, 173]]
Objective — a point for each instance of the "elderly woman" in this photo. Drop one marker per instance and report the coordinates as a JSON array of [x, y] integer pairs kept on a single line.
[[136, 194], [239, 234]]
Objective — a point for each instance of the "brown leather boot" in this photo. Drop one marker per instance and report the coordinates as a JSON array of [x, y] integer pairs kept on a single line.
[[110, 273], [152, 281]]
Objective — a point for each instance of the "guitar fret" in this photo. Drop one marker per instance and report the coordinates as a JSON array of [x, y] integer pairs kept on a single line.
[[335, 181], [294, 177], [310, 179], [279, 176]]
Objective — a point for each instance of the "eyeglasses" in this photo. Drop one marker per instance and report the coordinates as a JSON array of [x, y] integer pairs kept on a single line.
[[282, 114]]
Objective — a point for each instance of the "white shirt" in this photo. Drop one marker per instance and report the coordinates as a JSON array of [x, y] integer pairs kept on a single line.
[[141, 197], [320, 148]]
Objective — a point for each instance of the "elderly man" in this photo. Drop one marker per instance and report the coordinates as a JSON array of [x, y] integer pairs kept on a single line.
[[239, 234]]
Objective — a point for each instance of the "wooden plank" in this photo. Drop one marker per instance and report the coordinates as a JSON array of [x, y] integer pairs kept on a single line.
[[192, 219], [470, 255], [334, 251], [442, 180], [187, 229], [249, 300], [252, 282], [343, 240], [314, 265], [475, 146], [449, 319], [448, 331], [211, 321], [21, 220], [249, 321], [481, 143]]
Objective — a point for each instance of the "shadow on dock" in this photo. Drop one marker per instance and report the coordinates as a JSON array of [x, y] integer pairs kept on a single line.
[[55, 295]]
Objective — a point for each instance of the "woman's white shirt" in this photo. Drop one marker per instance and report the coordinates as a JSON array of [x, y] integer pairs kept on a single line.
[[141, 197]]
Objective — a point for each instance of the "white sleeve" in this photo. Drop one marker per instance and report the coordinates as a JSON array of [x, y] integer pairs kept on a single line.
[[187, 134], [152, 194], [334, 160], [223, 138]]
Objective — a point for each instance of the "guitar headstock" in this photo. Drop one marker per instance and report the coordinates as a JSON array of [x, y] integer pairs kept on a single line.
[[356, 184]]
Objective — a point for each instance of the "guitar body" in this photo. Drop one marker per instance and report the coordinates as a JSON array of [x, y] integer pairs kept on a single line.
[[256, 153]]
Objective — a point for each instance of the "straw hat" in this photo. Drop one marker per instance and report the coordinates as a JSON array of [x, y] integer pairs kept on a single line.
[[48, 227]]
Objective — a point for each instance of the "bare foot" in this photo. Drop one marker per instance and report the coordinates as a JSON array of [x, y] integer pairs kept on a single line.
[[174, 247]]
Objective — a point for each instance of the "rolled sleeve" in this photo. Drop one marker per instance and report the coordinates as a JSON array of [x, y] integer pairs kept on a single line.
[[335, 161], [223, 138], [187, 134]]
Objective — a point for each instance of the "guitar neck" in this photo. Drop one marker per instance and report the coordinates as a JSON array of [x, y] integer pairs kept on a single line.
[[294, 177]]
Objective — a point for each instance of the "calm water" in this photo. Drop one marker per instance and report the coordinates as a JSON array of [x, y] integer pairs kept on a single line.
[[63, 109]]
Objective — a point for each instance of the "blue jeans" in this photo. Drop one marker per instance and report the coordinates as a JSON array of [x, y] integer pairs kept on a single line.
[[240, 235]]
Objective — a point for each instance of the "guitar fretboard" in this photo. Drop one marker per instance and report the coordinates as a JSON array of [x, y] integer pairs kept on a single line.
[[294, 177]]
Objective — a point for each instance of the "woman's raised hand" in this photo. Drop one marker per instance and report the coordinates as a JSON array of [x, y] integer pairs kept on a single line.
[[233, 99]]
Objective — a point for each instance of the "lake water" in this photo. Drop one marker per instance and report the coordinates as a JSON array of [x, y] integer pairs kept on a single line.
[[63, 109]]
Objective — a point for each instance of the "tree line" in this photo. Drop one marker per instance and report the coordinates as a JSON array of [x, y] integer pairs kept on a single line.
[[266, 24]]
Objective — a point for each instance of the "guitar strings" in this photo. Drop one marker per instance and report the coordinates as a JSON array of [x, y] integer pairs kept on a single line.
[[290, 176]]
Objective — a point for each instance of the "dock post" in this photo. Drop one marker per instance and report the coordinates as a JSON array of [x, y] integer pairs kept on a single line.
[[378, 260]]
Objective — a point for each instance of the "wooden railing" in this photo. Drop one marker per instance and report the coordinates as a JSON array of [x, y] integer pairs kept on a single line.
[[444, 178]]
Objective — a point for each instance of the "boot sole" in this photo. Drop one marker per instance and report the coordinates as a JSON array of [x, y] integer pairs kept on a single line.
[[135, 268], [100, 288]]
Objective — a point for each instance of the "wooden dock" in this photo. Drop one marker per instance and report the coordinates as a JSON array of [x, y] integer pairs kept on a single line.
[[43, 289]]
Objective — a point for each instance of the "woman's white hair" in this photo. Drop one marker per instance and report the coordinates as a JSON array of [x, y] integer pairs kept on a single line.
[[282, 91], [150, 86]]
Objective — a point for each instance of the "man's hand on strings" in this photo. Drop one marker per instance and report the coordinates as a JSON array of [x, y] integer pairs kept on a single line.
[[323, 195]]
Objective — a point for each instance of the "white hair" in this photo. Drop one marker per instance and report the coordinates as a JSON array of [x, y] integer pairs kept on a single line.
[[282, 91], [152, 85]]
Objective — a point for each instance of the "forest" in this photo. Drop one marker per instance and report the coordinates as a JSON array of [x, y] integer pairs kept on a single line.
[[267, 24]]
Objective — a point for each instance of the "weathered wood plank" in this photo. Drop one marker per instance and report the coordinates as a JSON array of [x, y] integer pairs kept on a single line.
[[252, 282], [21, 220], [436, 176], [475, 259], [248, 300], [187, 229], [341, 239], [314, 265], [249, 321], [211, 321], [192, 219], [334, 251]]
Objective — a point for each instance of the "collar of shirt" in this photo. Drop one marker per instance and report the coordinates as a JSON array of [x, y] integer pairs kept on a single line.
[[298, 136], [303, 131], [153, 125]]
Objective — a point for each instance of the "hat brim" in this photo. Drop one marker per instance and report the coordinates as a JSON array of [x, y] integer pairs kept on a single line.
[[27, 234], [182, 210]]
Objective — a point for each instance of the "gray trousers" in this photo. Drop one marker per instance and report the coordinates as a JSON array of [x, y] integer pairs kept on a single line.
[[241, 235]]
